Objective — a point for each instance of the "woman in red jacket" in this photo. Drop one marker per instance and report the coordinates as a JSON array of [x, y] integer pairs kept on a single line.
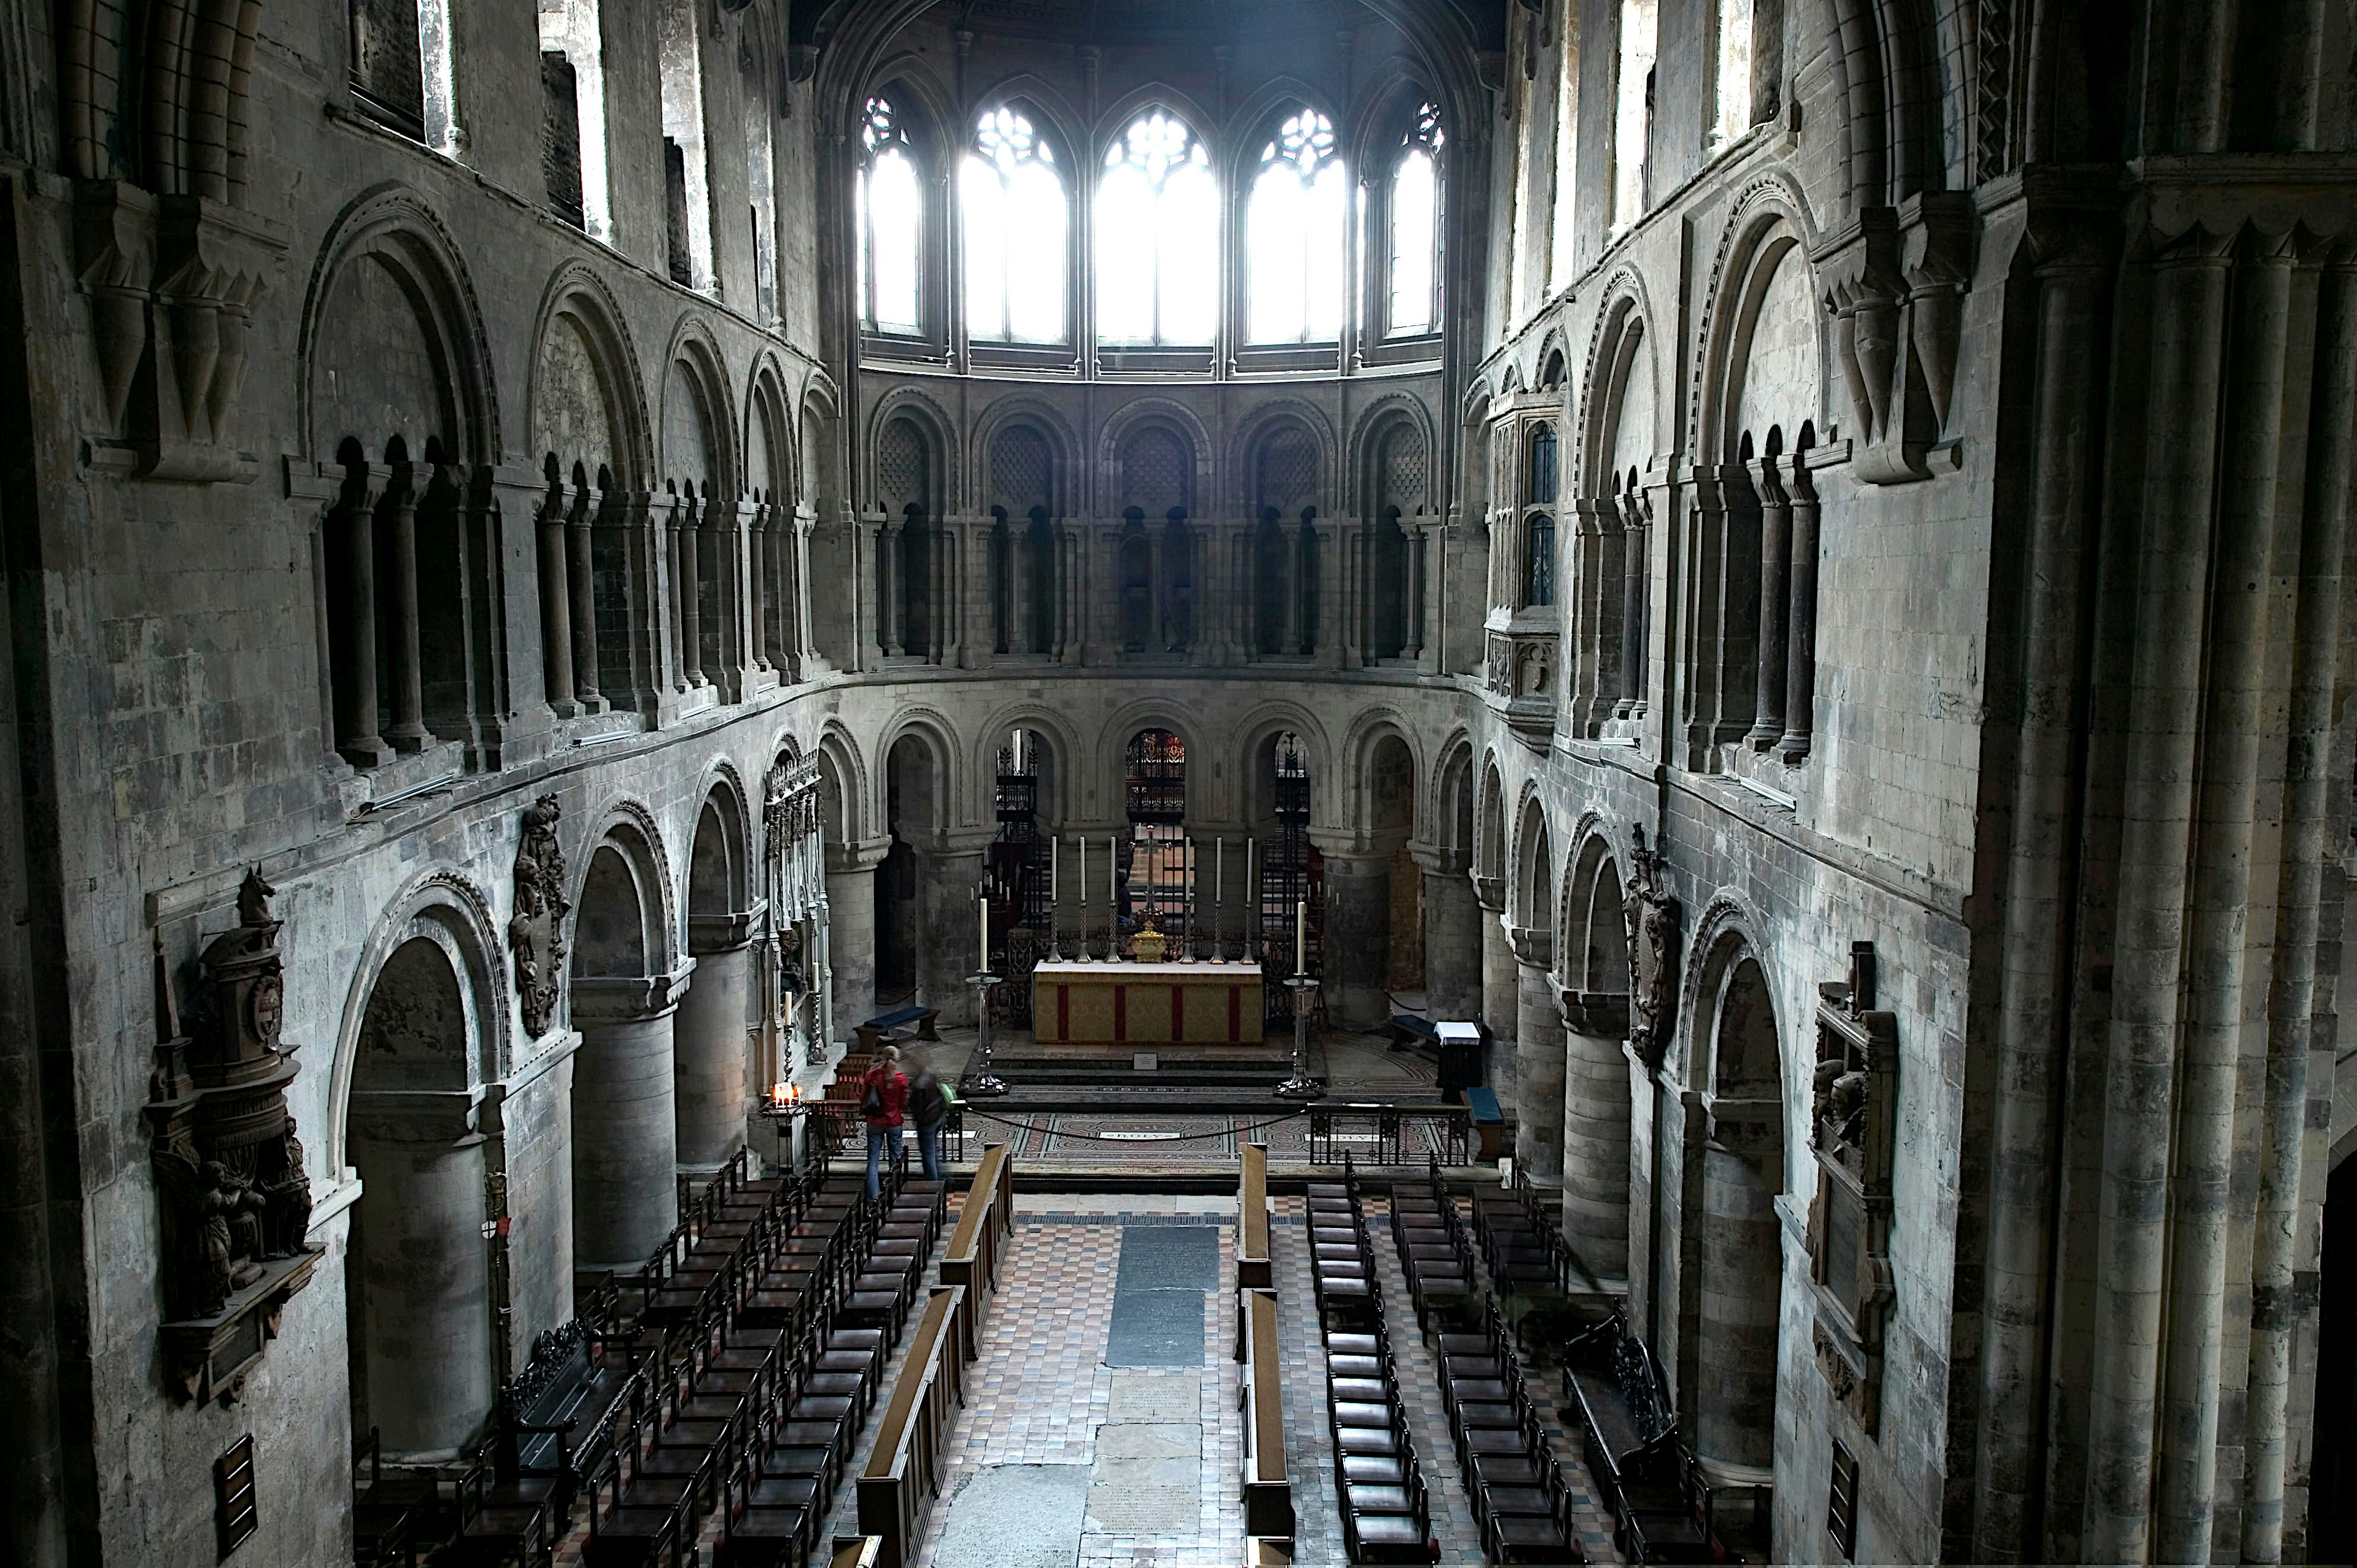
[[884, 1093]]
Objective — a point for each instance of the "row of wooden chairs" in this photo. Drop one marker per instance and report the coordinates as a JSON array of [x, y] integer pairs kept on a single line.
[[1436, 1254], [1378, 1483], [756, 1412], [1502, 1450], [1524, 1246]]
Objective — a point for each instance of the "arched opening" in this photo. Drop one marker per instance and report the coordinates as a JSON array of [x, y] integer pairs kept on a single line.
[[417, 1280], [715, 1017], [1538, 1016], [1595, 972], [912, 784], [1136, 606], [1374, 899], [1151, 873], [1452, 917], [1734, 1243], [624, 1125], [1015, 869]]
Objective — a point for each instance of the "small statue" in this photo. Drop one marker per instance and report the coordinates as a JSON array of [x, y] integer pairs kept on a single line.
[[289, 1195], [254, 899]]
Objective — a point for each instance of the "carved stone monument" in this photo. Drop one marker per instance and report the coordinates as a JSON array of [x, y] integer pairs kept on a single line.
[[1654, 921], [234, 1197], [536, 930], [1851, 1129]]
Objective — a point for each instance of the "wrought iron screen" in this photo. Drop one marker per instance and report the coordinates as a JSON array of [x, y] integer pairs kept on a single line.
[[1015, 880], [1154, 876]]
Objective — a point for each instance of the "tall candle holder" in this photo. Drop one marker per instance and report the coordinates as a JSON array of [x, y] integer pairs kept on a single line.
[[1301, 1086], [983, 1083]]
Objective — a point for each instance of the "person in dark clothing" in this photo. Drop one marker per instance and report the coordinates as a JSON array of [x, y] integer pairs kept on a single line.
[[884, 1095], [929, 1108]]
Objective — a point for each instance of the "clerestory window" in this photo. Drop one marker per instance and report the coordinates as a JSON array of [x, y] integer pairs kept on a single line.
[[1017, 224], [1416, 229], [1295, 230], [891, 222], [1157, 224]]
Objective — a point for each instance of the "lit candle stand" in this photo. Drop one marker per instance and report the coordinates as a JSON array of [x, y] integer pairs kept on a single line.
[[1300, 1086], [980, 1081], [786, 1109]]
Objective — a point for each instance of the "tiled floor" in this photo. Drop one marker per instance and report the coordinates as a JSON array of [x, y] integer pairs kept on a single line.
[[1042, 1394]]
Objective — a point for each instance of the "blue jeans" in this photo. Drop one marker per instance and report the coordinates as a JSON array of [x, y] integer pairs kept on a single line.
[[883, 1142], [928, 1146]]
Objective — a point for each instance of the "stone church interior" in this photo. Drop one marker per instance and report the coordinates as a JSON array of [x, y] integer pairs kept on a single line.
[[1088, 782]]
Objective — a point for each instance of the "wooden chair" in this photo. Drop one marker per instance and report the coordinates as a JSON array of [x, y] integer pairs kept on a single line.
[[495, 1526]]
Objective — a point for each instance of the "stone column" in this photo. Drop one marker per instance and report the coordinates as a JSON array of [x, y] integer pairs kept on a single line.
[[625, 1121], [405, 684], [1775, 603], [351, 538], [581, 583], [693, 518], [422, 1279], [1596, 1132], [1497, 985], [1538, 1058], [949, 875], [1357, 945], [1801, 656], [1452, 935], [708, 1073], [893, 610], [556, 606], [851, 925]]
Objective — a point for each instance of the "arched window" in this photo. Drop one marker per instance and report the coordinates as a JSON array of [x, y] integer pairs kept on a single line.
[[1416, 228], [1158, 225], [1538, 526], [891, 220], [1538, 561], [1017, 223], [1294, 259], [1633, 120], [1733, 71]]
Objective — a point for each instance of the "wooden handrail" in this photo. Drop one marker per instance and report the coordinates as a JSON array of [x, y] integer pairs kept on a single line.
[[972, 1260], [1268, 1485], [1254, 1270], [903, 1471]]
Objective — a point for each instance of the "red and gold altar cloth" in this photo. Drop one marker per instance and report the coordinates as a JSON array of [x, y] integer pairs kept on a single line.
[[1147, 1004]]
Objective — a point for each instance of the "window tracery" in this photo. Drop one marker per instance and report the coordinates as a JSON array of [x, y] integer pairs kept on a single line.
[[1295, 251], [1017, 223], [1157, 216], [891, 220]]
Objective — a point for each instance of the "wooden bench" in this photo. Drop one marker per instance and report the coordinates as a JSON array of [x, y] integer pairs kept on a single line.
[[979, 1240], [1656, 1492], [1489, 1123], [1254, 1270], [878, 1032], [903, 1472], [1410, 1033], [1268, 1486]]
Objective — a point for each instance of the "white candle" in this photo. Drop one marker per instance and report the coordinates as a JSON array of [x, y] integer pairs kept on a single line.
[[983, 903], [1053, 845], [1219, 873], [1252, 895], [1301, 937], [1113, 894], [1084, 873]]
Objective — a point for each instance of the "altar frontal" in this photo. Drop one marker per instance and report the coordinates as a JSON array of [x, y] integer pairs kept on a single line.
[[1147, 1004]]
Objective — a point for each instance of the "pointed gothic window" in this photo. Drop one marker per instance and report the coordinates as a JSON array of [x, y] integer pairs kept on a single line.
[[1158, 225], [1293, 260], [891, 213], [1416, 228], [1017, 225]]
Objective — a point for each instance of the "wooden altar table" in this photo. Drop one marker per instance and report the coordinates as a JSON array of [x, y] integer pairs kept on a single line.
[[1147, 1004]]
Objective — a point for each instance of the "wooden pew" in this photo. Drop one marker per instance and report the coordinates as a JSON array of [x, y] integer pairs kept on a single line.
[[1253, 1269], [1268, 1488], [904, 1472], [979, 1241]]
